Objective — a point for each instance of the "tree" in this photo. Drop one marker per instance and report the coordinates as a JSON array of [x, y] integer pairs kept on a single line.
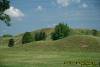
[[54, 36], [11, 43], [27, 38], [61, 30], [4, 5], [40, 36], [94, 32]]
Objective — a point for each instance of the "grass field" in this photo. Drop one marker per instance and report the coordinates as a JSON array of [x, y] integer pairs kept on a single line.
[[77, 48], [23, 58]]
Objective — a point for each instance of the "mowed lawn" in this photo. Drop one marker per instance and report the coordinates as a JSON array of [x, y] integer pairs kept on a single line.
[[19, 57]]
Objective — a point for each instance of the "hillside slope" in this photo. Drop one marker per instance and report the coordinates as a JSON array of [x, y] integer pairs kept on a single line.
[[73, 43]]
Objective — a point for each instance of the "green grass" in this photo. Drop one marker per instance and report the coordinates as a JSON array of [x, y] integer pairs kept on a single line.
[[51, 53], [19, 57]]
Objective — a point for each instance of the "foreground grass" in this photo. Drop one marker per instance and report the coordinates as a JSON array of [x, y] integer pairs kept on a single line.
[[52, 53], [19, 57]]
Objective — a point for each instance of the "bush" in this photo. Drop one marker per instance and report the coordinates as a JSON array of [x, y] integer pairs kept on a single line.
[[94, 32], [27, 38], [11, 43], [40, 36], [56, 36], [61, 31]]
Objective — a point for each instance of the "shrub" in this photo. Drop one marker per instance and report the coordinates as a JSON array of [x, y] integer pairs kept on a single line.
[[11, 43], [61, 31], [56, 36], [94, 32], [27, 38], [40, 36]]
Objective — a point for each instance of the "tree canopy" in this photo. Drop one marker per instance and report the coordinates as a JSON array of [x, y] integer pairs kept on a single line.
[[27, 38], [40, 36], [4, 5], [61, 30]]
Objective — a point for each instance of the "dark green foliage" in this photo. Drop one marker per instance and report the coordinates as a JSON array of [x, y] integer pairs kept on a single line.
[[94, 32], [55, 36], [27, 38], [99, 63], [11, 43], [61, 31], [40, 36], [7, 35], [4, 5]]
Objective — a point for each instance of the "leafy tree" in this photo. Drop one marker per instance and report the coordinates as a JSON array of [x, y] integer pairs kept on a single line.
[[11, 43], [27, 38], [61, 30], [40, 36], [4, 5], [94, 32], [54, 36]]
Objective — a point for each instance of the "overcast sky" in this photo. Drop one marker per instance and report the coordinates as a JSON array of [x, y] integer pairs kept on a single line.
[[29, 15]]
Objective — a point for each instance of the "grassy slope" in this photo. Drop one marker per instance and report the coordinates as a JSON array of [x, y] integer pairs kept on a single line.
[[84, 43], [50, 53]]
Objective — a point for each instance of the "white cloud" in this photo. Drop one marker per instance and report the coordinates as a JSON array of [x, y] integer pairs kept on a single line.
[[84, 5], [39, 8], [14, 12], [65, 3]]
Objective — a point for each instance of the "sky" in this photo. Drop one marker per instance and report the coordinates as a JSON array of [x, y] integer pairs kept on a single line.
[[30, 15]]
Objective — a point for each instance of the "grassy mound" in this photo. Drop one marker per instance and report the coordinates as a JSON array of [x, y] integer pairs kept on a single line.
[[74, 43], [80, 43]]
